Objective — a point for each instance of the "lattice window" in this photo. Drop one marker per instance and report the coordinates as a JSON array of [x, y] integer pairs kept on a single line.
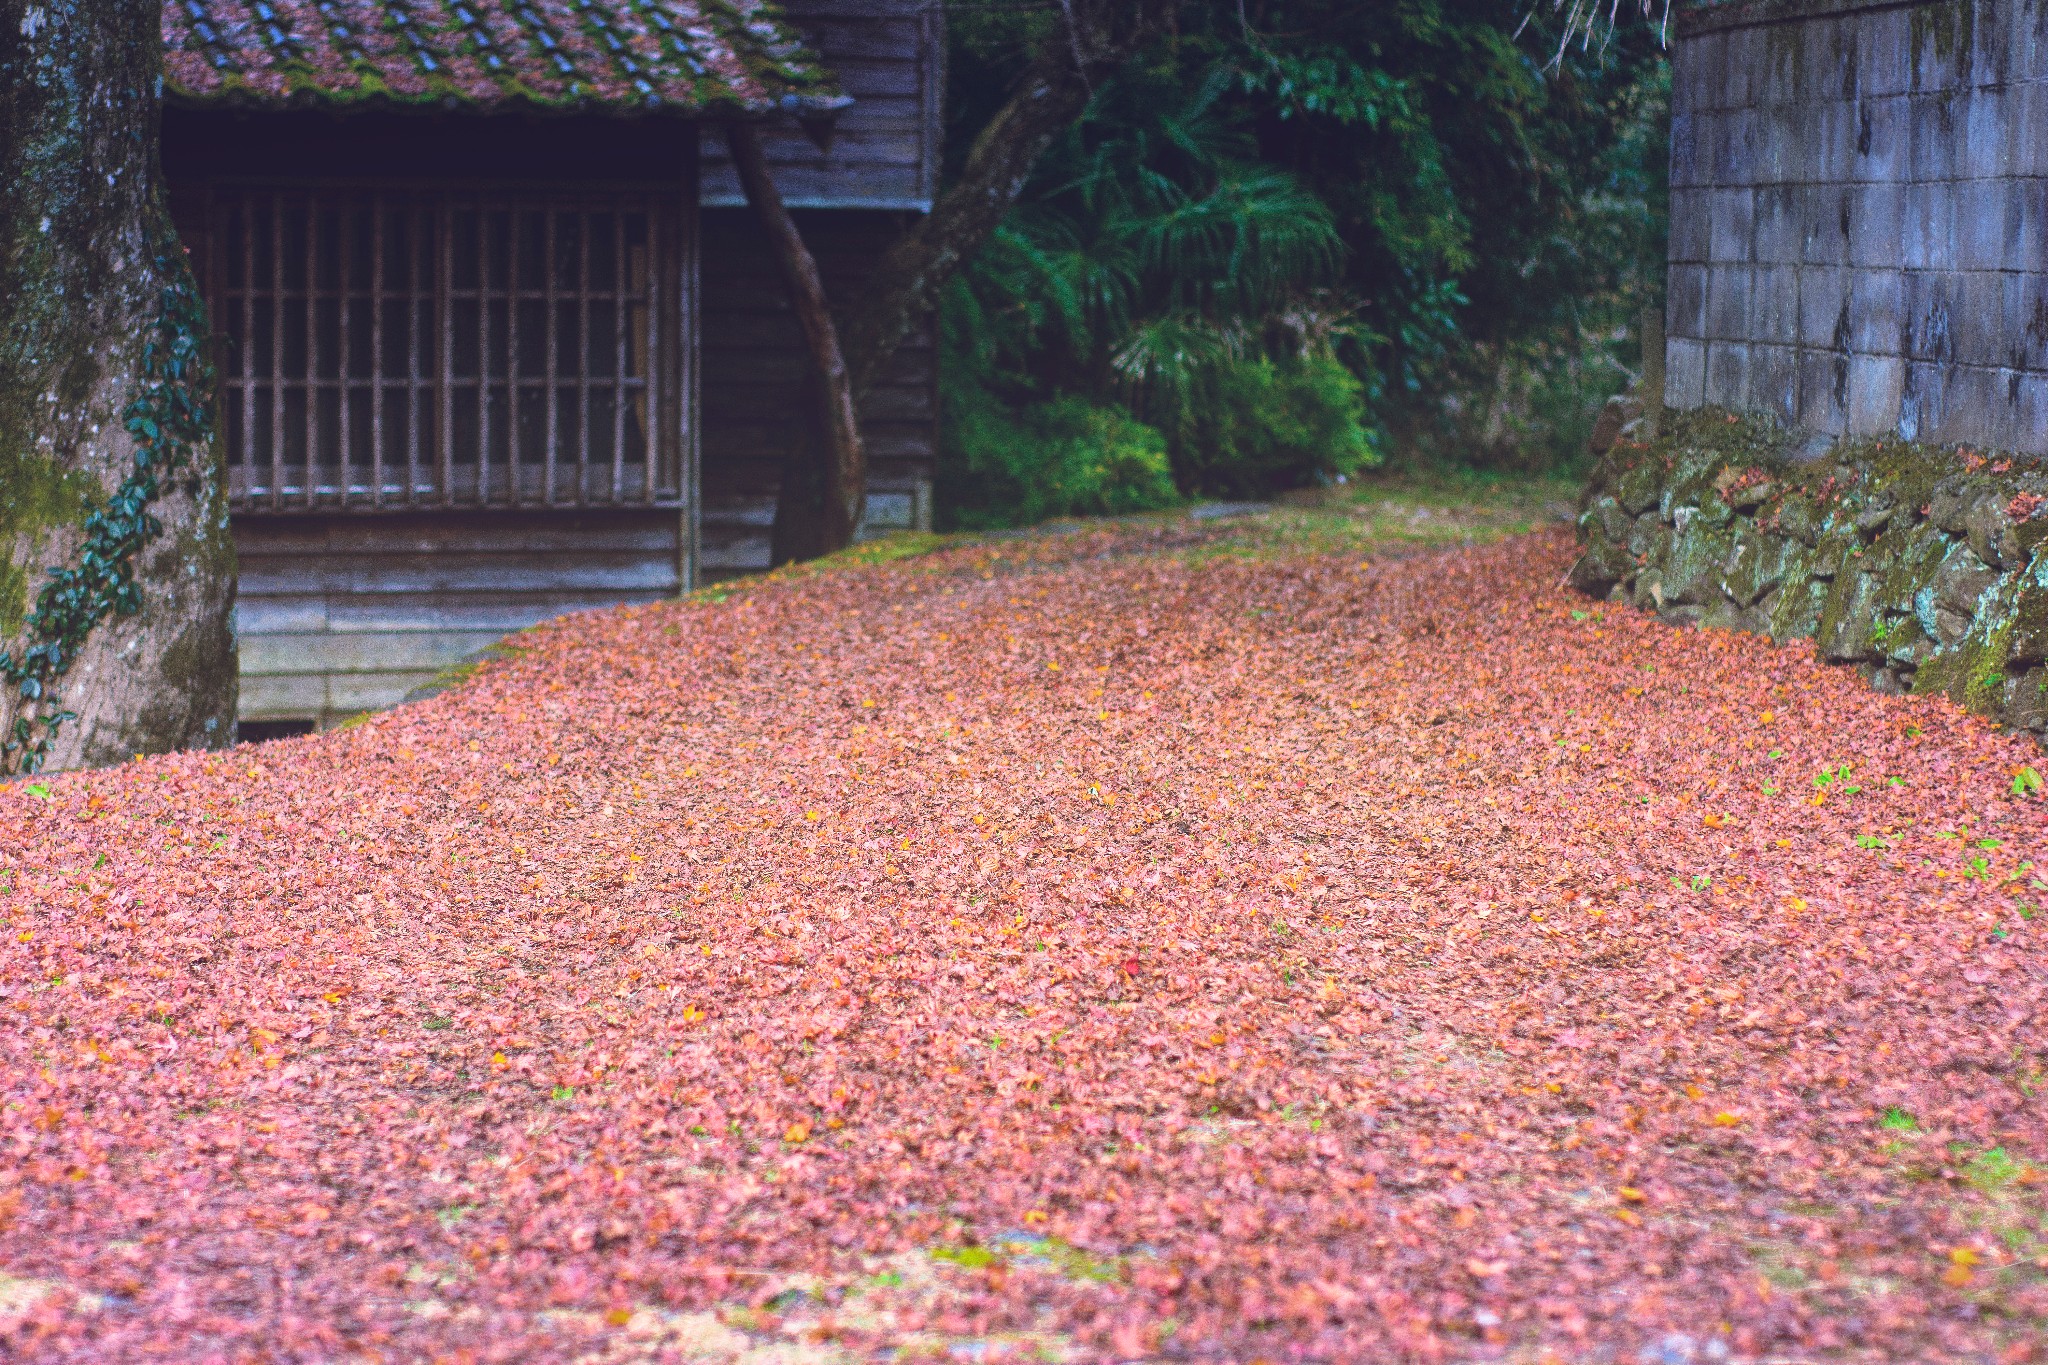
[[388, 349]]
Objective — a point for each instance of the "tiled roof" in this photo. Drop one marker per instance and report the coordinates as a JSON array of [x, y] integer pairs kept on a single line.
[[621, 55]]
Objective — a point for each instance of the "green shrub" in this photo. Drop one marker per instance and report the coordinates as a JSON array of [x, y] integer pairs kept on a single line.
[[1013, 466], [1266, 424]]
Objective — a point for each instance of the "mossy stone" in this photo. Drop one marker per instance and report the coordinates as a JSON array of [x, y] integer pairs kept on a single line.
[[2030, 616], [1638, 488], [1607, 517], [1911, 567], [1692, 571], [1649, 538], [2027, 536], [1797, 614], [1990, 530], [1961, 580], [1848, 617], [1600, 568], [1888, 554], [1949, 503], [1728, 616], [1798, 519], [2025, 703], [1905, 642], [1754, 567], [1834, 548], [1874, 515]]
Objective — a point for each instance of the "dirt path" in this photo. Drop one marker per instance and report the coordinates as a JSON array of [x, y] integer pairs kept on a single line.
[[1047, 949]]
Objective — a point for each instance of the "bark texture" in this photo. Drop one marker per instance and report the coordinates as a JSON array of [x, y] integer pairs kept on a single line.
[[812, 516], [88, 259]]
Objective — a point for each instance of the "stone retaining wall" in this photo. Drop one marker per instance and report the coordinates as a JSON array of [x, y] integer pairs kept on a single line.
[[1917, 565]]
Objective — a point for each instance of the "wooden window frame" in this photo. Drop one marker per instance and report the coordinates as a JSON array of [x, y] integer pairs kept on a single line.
[[313, 398]]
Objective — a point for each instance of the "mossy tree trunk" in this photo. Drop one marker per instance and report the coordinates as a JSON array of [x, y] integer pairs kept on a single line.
[[108, 470]]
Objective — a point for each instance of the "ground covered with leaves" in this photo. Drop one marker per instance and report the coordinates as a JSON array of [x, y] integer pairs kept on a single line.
[[1139, 943]]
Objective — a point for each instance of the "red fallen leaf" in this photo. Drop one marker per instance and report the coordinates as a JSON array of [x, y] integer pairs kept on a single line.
[[1361, 1066]]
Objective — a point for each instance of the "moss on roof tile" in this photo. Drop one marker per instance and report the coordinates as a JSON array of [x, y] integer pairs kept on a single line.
[[682, 56]]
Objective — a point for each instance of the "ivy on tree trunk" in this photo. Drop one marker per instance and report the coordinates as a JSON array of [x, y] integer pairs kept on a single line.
[[116, 598]]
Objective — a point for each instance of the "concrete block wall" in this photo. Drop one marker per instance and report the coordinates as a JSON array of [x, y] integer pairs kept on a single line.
[[1859, 217]]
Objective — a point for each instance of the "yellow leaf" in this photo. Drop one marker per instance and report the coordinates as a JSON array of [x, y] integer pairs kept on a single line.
[[619, 1317], [812, 815], [1630, 1217], [1631, 1194], [1724, 1119], [1767, 717], [798, 1132], [1964, 1256], [1035, 1216], [498, 1060]]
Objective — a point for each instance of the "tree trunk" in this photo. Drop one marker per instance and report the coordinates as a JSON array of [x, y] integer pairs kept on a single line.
[[845, 482], [819, 508], [108, 470], [906, 283]]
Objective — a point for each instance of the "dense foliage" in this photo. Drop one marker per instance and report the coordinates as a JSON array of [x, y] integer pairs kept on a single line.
[[1296, 235]]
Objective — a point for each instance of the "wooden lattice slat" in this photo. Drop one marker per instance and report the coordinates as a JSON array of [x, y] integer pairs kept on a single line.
[[297, 446]]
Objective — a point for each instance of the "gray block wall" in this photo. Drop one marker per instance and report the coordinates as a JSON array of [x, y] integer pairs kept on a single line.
[[1859, 217]]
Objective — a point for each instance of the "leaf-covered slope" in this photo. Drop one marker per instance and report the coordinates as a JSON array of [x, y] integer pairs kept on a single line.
[[1053, 948]]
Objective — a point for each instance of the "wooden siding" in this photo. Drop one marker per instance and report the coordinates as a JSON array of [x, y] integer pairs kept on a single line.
[[342, 614], [884, 151], [755, 389]]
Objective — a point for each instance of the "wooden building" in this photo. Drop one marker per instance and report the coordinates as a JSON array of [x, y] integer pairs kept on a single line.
[[497, 338]]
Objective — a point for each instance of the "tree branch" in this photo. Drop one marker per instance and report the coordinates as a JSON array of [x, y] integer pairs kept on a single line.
[[1055, 88]]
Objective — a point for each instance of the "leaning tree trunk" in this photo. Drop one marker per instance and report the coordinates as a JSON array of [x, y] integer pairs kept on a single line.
[[819, 507], [809, 520], [109, 474]]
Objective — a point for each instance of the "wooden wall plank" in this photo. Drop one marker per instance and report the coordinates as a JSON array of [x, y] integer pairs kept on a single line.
[[890, 56], [756, 376], [339, 614], [360, 652]]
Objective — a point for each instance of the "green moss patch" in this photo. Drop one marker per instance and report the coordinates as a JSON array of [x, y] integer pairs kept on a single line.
[[1915, 563]]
